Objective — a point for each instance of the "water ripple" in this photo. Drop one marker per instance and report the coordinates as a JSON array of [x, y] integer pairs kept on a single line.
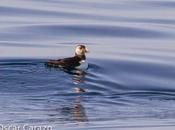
[[88, 30]]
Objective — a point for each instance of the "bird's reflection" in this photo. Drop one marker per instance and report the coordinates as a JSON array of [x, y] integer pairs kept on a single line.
[[78, 78], [79, 112], [76, 110]]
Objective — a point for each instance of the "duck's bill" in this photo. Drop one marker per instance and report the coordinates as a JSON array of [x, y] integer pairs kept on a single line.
[[87, 50]]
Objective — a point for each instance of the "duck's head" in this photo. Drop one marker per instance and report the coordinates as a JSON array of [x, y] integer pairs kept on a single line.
[[81, 50]]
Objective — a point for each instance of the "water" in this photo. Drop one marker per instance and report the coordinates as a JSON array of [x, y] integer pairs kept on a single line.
[[130, 81]]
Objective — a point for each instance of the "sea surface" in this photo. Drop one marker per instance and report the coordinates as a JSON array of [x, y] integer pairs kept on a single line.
[[130, 83]]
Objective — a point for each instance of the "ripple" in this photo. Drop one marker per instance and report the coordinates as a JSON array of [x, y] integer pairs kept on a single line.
[[88, 30], [21, 44], [50, 92], [158, 4]]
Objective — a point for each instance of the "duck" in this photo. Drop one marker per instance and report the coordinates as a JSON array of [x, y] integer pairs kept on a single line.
[[78, 61]]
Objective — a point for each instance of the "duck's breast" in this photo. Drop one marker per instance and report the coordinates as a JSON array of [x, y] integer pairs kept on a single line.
[[83, 65]]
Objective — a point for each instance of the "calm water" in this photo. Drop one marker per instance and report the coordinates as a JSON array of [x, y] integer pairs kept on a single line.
[[130, 82]]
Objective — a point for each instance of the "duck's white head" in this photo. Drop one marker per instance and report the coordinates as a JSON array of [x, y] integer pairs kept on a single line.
[[81, 50]]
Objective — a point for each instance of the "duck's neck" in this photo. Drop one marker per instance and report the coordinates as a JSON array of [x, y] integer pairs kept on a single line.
[[82, 57]]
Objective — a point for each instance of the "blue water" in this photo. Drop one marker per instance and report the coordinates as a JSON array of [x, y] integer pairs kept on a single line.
[[130, 81]]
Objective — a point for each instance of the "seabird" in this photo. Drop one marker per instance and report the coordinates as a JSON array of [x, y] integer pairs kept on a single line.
[[76, 62]]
